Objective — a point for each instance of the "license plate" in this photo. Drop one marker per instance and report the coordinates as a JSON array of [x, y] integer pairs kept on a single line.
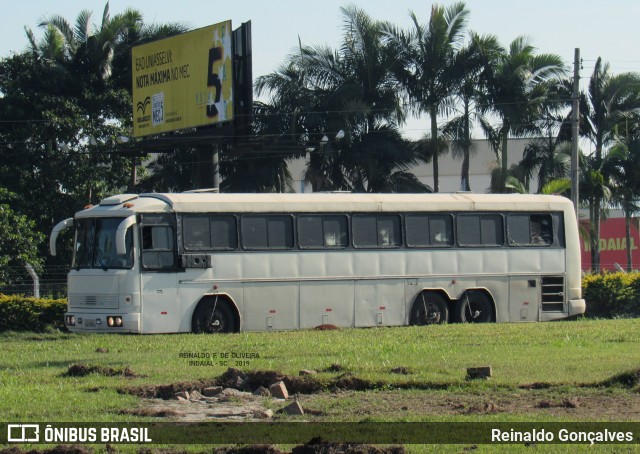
[[90, 323]]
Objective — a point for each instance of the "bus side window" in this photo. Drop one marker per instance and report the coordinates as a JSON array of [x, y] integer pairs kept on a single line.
[[480, 229], [322, 231], [267, 231], [376, 230], [429, 230], [158, 249], [530, 229]]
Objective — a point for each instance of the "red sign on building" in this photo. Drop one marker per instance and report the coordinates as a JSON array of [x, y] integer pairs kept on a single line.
[[613, 245]]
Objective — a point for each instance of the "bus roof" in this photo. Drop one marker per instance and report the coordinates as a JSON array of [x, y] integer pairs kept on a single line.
[[326, 202], [128, 204]]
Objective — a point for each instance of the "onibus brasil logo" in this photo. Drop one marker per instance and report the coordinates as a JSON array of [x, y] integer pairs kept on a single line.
[[31, 433]]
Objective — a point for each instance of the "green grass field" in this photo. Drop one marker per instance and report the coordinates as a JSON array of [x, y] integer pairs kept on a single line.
[[562, 360]]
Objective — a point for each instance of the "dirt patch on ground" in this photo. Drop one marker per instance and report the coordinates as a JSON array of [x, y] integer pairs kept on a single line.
[[82, 370], [189, 411], [393, 405], [629, 379], [348, 397], [167, 392], [252, 380]]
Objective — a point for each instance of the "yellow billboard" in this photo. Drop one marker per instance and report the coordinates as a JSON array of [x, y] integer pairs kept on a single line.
[[183, 81]]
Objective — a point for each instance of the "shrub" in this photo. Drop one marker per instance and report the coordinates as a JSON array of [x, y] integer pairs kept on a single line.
[[19, 313], [612, 294]]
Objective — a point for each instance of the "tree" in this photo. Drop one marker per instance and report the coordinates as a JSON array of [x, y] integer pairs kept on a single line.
[[429, 71], [90, 50], [60, 113], [344, 107], [551, 160], [517, 91], [472, 63], [609, 99], [19, 240], [623, 163]]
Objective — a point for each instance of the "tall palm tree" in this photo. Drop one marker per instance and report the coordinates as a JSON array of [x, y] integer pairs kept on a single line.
[[517, 90], [429, 71], [609, 99], [92, 49], [344, 106], [624, 169], [551, 160], [472, 63]]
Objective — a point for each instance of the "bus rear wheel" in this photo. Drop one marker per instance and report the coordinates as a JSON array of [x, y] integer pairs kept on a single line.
[[474, 307], [213, 317], [429, 309]]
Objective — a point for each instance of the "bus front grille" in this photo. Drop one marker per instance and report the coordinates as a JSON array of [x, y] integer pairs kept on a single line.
[[104, 301], [553, 294]]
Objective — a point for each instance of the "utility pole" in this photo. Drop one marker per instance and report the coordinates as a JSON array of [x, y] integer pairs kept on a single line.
[[575, 121]]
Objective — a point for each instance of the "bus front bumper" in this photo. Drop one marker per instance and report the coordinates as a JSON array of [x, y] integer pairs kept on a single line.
[[577, 307], [112, 322]]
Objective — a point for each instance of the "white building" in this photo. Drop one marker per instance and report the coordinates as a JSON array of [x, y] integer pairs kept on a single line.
[[482, 161]]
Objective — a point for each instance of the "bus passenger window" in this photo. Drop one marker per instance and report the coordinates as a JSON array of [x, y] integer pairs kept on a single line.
[[267, 232], [370, 230], [441, 230], [530, 229], [196, 232], [158, 247], [480, 230], [322, 231], [541, 230], [209, 232]]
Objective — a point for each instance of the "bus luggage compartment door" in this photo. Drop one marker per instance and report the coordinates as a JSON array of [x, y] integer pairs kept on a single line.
[[524, 298], [161, 307]]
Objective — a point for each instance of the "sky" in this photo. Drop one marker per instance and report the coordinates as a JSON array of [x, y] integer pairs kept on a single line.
[[609, 29]]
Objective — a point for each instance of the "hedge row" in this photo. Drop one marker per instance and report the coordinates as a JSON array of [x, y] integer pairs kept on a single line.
[[607, 295], [19, 313], [612, 294]]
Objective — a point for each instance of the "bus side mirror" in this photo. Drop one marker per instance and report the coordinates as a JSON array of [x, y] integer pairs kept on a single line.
[[60, 226], [121, 234]]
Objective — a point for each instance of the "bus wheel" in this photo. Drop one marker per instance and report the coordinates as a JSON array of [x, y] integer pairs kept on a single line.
[[474, 307], [213, 317], [429, 309]]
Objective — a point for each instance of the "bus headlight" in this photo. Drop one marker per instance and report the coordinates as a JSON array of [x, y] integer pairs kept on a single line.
[[114, 321], [71, 320]]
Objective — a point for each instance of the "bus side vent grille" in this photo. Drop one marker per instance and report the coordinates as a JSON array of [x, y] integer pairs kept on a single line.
[[553, 294]]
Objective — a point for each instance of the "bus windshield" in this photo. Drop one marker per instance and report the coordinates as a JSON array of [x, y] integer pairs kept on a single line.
[[95, 245]]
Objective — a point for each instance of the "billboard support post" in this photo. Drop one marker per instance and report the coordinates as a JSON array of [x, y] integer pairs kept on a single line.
[[216, 168]]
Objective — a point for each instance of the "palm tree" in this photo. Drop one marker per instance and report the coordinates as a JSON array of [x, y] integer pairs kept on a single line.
[[624, 167], [344, 107], [609, 99], [551, 160], [92, 50], [595, 192], [472, 63], [517, 90], [429, 72]]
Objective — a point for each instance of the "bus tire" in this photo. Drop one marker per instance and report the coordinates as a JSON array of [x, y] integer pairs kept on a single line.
[[213, 317], [429, 308], [474, 307]]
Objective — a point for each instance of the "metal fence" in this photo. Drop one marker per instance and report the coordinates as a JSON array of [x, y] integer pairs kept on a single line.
[[49, 282]]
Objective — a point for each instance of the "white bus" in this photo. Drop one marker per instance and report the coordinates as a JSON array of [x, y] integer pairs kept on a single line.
[[209, 262]]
